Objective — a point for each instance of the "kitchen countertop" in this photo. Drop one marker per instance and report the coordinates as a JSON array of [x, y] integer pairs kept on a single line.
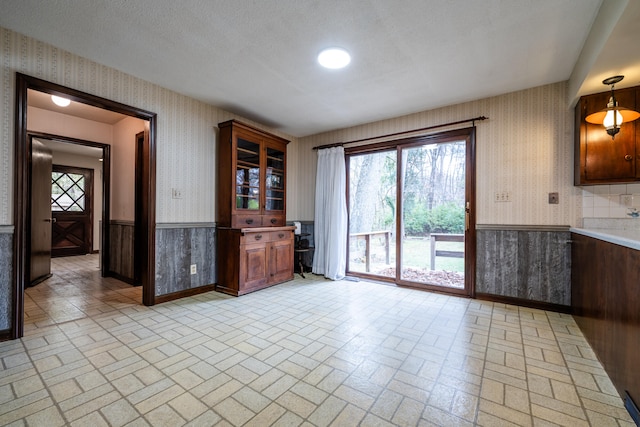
[[622, 237]]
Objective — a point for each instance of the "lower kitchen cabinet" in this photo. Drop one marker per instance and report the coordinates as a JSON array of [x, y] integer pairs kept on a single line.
[[250, 259], [605, 300]]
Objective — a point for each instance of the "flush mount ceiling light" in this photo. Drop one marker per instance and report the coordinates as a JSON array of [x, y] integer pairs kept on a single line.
[[334, 58], [60, 101], [613, 116]]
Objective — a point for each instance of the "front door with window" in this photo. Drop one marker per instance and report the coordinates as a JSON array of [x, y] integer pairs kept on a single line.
[[71, 197], [410, 212]]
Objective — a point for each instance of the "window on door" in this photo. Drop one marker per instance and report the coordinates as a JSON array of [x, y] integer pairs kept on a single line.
[[67, 192], [410, 211]]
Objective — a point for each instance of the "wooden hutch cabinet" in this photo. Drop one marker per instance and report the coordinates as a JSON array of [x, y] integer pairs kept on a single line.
[[254, 247], [598, 158]]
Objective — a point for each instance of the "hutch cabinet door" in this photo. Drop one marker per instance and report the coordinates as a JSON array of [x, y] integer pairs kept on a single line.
[[281, 260], [274, 205], [247, 175], [253, 266]]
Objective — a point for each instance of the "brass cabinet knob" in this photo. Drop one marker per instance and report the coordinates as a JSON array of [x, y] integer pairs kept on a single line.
[[628, 157]]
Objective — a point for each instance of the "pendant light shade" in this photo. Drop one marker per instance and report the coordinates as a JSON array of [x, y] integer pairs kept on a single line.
[[613, 116]]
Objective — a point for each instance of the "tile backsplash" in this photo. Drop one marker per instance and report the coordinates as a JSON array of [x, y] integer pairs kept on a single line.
[[612, 223], [607, 201]]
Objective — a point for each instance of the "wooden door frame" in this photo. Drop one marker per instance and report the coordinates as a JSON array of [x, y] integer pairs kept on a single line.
[[464, 134], [21, 188]]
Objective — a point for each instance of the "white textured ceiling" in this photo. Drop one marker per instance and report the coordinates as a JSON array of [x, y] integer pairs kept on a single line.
[[258, 58]]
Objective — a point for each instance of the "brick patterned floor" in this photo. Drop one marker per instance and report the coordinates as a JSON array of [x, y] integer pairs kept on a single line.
[[310, 352]]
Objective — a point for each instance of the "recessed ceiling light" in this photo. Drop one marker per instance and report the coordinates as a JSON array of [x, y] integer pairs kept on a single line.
[[334, 58], [60, 101]]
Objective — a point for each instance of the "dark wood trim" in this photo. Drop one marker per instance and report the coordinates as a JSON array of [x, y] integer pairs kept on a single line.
[[21, 208], [21, 185], [6, 335], [122, 278], [434, 138], [186, 293], [404, 132], [558, 308], [147, 251], [66, 139], [105, 242], [138, 236], [470, 234]]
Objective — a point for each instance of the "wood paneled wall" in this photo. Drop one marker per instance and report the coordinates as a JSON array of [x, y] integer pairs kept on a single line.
[[6, 273], [524, 264], [179, 246], [121, 250]]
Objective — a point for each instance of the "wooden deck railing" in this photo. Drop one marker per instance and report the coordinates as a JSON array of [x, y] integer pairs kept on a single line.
[[367, 243], [435, 237], [442, 237]]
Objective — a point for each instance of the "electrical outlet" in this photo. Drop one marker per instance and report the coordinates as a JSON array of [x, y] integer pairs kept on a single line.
[[176, 193], [554, 198], [626, 200], [193, 269]]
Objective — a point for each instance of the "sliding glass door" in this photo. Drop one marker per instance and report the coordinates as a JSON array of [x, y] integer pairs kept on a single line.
[[411, 212], [372, 213]]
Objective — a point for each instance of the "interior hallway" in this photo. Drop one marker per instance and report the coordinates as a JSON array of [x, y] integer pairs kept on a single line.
[[307, 352]]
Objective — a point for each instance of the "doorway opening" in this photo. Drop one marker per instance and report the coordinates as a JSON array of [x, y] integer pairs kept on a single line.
[[411, 211], [22, 205], [66, 208]]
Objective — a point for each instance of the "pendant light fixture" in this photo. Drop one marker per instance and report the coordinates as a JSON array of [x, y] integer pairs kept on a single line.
[[613, 116]]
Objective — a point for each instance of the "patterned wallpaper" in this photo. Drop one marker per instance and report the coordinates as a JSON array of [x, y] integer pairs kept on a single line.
[[186, 127], [525, 148]]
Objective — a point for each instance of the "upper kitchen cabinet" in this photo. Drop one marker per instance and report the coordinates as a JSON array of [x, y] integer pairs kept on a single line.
[[599, 159], [251, 177]]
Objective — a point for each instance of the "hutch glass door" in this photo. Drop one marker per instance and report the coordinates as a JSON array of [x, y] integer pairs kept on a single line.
[[274, 180], [248, 175]]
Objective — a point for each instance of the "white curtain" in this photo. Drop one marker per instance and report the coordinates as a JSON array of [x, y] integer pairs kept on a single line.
[[330, 225]]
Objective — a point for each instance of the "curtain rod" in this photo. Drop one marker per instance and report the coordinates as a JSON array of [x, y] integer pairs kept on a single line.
[[340, 144]]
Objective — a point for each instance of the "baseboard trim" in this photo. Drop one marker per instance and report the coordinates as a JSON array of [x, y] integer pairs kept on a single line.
[[558, 308], [186, 293]]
